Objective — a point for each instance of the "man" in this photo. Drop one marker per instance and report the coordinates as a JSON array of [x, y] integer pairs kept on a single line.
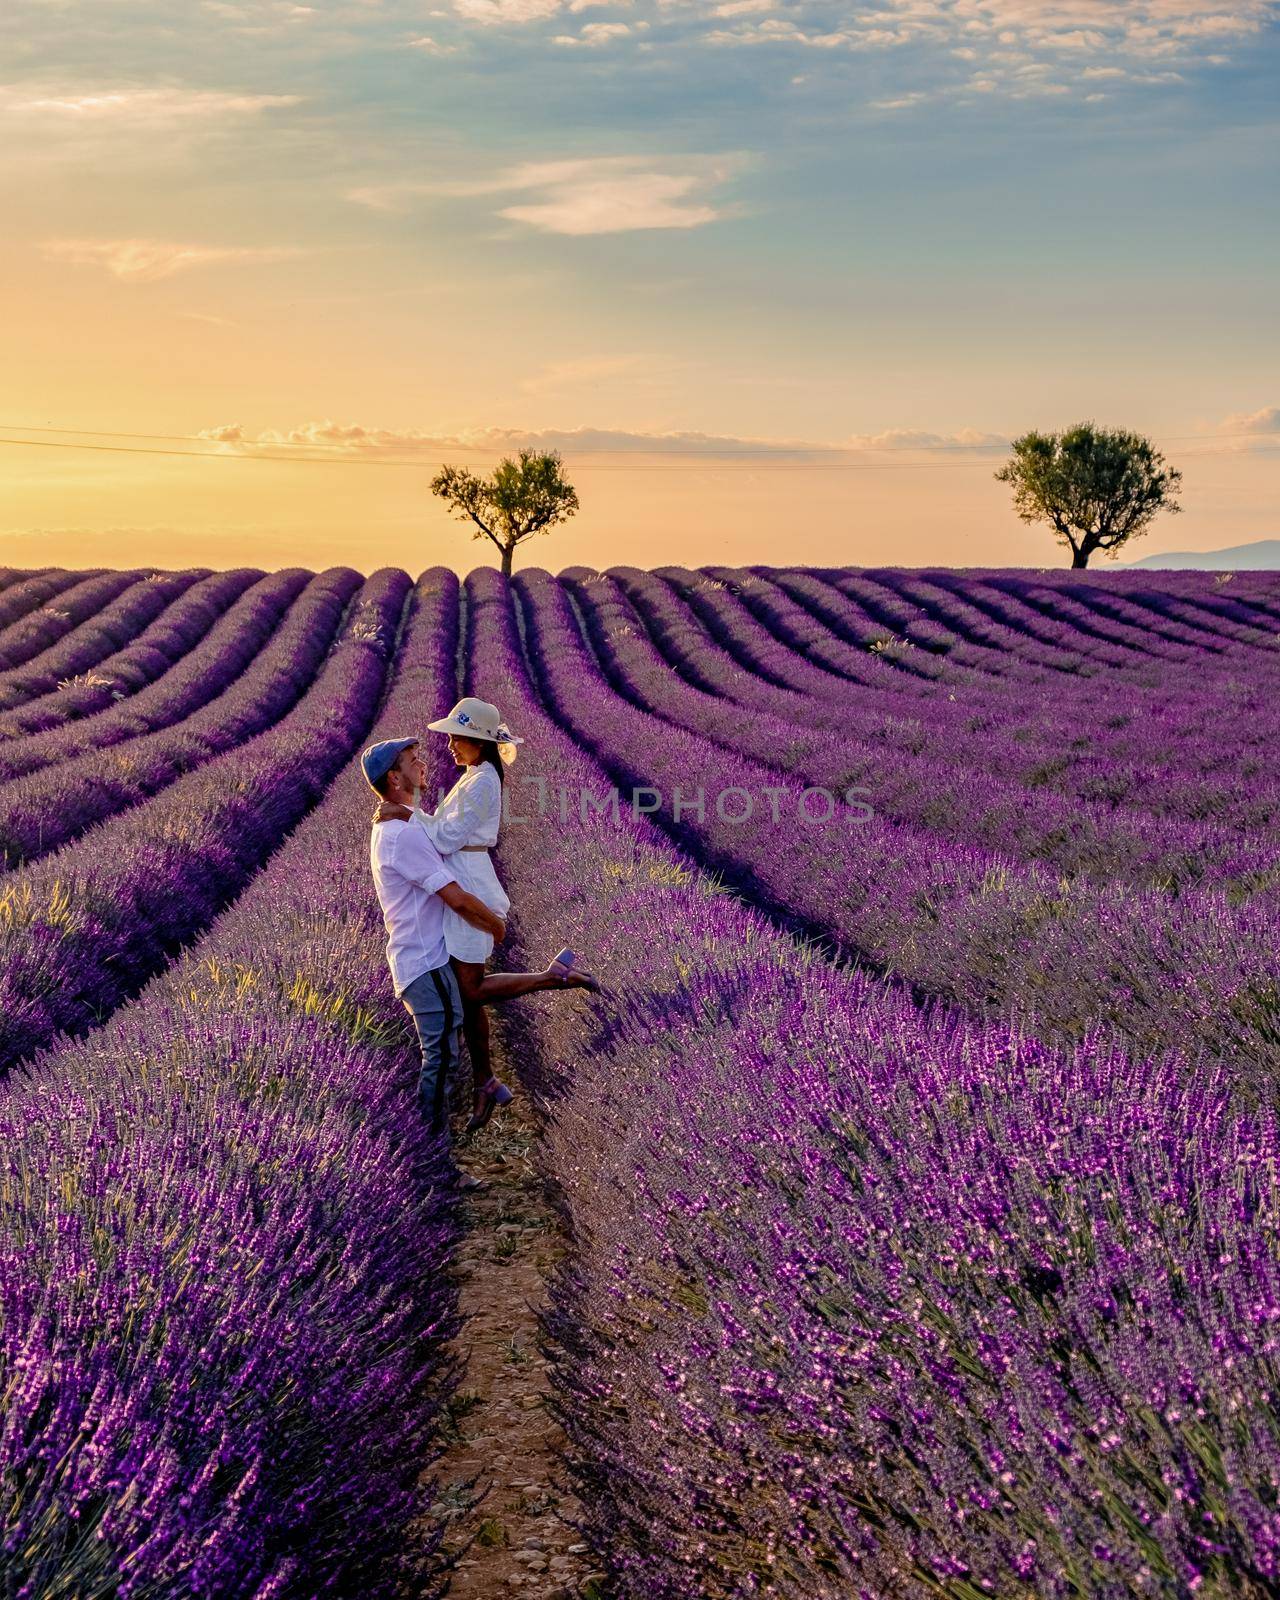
[[414, 886]]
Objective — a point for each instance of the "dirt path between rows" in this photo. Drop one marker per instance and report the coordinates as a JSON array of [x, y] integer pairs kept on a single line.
[[510, 1514]]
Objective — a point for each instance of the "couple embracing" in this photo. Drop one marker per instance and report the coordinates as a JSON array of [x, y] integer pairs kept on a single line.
[[443, 905]]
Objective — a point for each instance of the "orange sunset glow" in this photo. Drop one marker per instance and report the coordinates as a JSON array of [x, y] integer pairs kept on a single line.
[[773, 291]]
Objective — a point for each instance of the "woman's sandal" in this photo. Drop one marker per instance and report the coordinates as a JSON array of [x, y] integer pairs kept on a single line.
[[488, 1097], [572, 976]]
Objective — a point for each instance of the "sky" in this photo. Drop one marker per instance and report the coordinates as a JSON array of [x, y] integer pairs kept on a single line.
[[779, 279]]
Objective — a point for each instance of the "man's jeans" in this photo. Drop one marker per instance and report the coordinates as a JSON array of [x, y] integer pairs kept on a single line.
[[435, 1005]]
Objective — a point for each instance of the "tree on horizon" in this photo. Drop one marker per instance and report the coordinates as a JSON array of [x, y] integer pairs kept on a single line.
[[521, 498], [1097, 487]]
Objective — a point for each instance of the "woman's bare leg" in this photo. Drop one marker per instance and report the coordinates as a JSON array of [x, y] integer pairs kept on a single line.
[[475, 1029], [480, 989], [491, 988], [475, 1020]]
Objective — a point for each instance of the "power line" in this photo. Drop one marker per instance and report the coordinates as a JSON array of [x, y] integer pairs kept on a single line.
[[202, 455], [422, 466], [700, 460], [713, 452], [493, 450], [181, 438]]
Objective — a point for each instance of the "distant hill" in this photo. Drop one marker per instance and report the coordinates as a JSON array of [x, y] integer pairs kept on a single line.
[[1262, 555]]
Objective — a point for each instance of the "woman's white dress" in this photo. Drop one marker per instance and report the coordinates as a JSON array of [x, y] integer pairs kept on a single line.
[[469, 814]]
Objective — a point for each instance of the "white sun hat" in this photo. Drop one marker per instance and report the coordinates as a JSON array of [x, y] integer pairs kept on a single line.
[[475, 719]]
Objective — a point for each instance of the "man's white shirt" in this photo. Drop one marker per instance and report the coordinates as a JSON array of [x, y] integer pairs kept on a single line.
[[408, 874]]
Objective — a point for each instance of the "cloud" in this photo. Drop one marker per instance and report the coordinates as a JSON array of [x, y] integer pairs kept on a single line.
[[779, 31], [495, 13], [476, 443], [586, 195], [594, 34], [614, 195], [921, 439], [430, 46], [257, 17], [1004, 41], [1143, 29], [1267, 420], [1076, 39], [141, 108], [147, 260], [393, 198], [1221, 25], [901, 102], [1252, 430], [106, 126]]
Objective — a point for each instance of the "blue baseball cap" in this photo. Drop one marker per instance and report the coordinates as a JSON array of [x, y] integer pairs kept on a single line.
[[379, 759]]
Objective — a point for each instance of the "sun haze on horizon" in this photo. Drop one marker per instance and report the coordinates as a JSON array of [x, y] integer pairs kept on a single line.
[[780, 280]]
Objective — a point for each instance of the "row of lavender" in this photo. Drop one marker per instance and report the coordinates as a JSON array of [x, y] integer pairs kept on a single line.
[[214, 644], [780, 598], [73, 637], [32, 707], [223, 1230], [981, 806], [1012, 622], [1243, 681], [864, 1301], [959, 923], [1144, 618], [1050, 719], [1159, 749], [44, 809], [107, 629], [33, 590], [82, 930], [1134, 616]]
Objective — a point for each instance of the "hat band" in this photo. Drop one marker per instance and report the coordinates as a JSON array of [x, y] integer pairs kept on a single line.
[[466, 726]]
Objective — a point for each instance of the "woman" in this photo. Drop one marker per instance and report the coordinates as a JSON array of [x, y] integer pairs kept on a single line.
[[464, 829]]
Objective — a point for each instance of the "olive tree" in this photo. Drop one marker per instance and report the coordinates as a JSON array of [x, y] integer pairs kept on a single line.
[[1097, 487], [521, 498]]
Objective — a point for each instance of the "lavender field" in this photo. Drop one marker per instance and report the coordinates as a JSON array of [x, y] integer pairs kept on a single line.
[[918, 1173]]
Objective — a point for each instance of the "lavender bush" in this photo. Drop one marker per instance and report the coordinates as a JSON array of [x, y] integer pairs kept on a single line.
[[104, 632], [48, 808], [202, 674], [172, 635], [1171, 751], [221, 1285], [83, 930], [940, 792], [867, 1301], [962, 924], [39, 630], [35, 589]]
